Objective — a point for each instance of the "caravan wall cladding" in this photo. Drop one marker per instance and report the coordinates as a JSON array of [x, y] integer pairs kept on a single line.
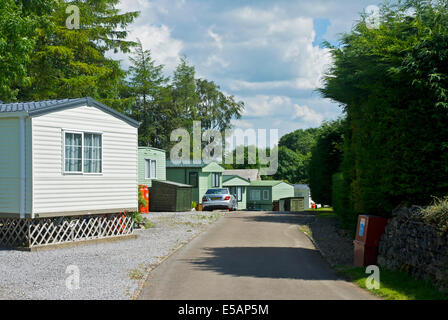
[[53, 191]]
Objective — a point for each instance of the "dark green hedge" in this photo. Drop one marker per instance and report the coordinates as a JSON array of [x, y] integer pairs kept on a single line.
[[325, 160], [393, 85]]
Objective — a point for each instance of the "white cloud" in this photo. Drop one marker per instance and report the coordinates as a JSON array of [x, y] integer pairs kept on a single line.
[[308, 116], [215, 37], [285, 43], [133, 5], [279, 109], [164, 49], [154, 35], [266, 106], [263, 53], [242, 124], [215, 60], [253, 15]]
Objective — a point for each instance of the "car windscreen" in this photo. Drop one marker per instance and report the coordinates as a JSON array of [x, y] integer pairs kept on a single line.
[[217, 191]]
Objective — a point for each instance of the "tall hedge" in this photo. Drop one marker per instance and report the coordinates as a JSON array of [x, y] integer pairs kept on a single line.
[[341, 202], [393, 85], [326, 156]]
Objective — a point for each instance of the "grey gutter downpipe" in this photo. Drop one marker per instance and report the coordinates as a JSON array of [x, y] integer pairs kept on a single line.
[[22, 167]]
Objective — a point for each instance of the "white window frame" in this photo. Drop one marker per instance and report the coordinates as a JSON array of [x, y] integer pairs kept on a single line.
[[264, 193], [218, 179], [64, 172], [239, 194], [150, 176], [253, 192]]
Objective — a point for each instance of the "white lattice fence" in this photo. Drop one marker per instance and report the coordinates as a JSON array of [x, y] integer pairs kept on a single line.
[[13, 232], [47, 231]]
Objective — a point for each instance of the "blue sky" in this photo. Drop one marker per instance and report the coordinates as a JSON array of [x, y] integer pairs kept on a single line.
[[266, 53]]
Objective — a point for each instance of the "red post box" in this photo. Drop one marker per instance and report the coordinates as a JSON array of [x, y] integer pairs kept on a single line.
[[145, 193], [368, 235]]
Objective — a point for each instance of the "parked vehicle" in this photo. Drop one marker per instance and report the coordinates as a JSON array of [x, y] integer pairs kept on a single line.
[[219, 198]]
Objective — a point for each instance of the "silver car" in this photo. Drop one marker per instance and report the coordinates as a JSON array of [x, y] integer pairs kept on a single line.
[[219, 198]]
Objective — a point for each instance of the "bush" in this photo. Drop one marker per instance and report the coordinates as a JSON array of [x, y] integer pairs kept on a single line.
[[341, 201], [137, 218], [193, 205], [325, 161], [393, 85], [437, 213], [139, 221]]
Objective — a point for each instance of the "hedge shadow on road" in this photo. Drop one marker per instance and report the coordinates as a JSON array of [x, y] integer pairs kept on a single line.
[[266, 262]]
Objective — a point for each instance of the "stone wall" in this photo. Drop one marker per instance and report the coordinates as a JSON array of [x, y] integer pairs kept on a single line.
[[411, 245]]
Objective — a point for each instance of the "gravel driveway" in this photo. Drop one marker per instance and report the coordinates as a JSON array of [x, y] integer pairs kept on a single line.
[[109, 270]]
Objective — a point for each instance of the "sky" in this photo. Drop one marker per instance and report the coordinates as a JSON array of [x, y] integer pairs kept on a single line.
[[268, 54]]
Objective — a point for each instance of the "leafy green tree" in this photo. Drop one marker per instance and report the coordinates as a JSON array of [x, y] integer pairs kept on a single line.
[[325, 161], [300, 141], [294, 155], [18, 22], [291, 166], [215, 110], [146, 84], [185, 97], [392, 83], [69, 63], [249, 162]]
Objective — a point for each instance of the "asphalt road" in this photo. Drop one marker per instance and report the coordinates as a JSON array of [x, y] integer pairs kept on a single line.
[[249, 256]]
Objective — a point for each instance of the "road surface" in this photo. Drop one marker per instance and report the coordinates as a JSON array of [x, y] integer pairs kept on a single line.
[[249, 256]]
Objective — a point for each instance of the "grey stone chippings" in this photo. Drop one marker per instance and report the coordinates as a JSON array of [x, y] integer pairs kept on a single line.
[[109, 270]]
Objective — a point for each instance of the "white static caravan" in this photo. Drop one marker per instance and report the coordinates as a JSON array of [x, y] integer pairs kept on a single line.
[[71, 157]]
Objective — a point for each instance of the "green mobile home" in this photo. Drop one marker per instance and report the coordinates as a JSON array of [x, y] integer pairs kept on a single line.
[[151, 165], [201, 176], [262, 194], [238, 187]]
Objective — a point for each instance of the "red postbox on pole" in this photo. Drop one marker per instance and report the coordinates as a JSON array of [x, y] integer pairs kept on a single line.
[[368, 235], [145, 194]]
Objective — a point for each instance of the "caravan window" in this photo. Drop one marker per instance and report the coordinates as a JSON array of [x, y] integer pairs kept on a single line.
[[150, 169], [83, 152]]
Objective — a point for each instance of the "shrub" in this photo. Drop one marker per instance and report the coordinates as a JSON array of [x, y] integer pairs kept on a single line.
[[341, 201], [137, 218], [393, 85], [437, 213], [139, 221], [325, 161]]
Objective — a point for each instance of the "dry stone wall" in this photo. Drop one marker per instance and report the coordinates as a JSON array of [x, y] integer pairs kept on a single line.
[[412, 245]]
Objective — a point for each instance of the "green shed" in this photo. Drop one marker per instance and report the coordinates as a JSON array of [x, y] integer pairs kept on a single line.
[[167, 196], [151, 165], [295, 204], [237, 186], [262, 194]]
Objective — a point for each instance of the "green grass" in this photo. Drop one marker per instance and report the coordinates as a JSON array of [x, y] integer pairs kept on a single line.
[[394, 285], [306, 230], [323, 212], [320, 209]]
